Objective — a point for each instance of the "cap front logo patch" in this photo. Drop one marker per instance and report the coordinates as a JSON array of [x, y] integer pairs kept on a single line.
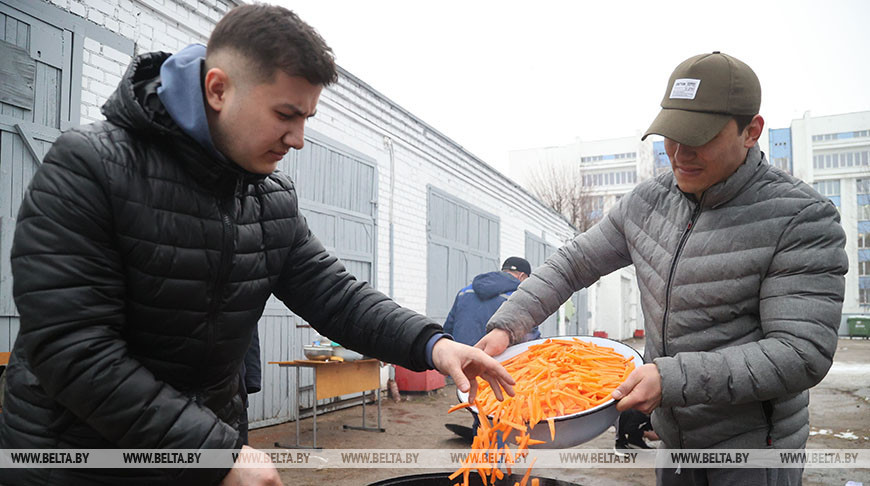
[[685, 89]]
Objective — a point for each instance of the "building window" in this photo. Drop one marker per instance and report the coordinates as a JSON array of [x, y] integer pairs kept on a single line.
[[841, 135], [828, 188], [611, 178], [598, 203], [841, 159], [864, 296], [863, 241], [864, 269], [596, 158], [863, 186]]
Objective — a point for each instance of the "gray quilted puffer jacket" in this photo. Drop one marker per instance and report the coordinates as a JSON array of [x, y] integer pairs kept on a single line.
[[741, 294]]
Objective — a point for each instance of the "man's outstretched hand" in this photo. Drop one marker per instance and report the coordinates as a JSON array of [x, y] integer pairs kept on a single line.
[[464, 364], [266, 475], [494, 342]]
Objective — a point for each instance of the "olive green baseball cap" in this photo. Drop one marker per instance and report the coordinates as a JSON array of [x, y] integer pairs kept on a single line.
[[703, 93]]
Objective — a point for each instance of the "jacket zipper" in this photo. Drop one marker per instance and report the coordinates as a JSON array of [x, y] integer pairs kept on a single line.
[[694, 219], [695, 215], [226, 261]]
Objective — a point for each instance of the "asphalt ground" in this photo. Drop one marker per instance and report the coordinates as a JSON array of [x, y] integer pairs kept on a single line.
[[839, 419]]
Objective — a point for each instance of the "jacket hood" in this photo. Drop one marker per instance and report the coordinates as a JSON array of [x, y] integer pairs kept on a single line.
[[136, 106], [180, 91], [131, 105], [488, 285]]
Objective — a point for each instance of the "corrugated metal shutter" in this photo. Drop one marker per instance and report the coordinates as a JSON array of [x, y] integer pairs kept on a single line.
[[337, 189], [537, 251], [578, 322], [463, 242]]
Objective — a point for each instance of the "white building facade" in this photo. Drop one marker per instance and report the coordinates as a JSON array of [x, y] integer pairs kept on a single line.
[[405, 207], [608, 169], [832, 153]]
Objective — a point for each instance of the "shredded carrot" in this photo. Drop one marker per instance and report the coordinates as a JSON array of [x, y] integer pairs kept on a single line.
[[525, 479], [554, 378], [459, 407]]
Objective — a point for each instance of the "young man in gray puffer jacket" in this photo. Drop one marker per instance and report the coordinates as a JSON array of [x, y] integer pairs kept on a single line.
[[741, 271]]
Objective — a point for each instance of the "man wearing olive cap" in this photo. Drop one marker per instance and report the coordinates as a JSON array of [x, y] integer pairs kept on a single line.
[[741, 271]]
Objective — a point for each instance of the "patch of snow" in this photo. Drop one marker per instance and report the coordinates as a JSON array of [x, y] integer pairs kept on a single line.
[[850, 369]]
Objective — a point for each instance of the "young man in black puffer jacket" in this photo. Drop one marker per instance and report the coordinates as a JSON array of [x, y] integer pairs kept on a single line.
[[146, 248]]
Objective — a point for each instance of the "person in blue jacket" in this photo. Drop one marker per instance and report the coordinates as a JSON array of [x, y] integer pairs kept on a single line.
[[475, 304]]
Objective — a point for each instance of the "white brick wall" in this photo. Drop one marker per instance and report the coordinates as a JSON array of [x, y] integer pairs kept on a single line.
[[360, 118], [350, 113], [152, 25]]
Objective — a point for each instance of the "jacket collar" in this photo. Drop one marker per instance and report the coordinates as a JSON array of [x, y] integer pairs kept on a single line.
[[722, 192]]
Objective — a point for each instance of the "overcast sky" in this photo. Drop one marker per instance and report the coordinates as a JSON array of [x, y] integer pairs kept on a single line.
[[496, 76]]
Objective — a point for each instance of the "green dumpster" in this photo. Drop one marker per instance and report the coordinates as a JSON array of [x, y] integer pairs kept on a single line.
[[859, 326]]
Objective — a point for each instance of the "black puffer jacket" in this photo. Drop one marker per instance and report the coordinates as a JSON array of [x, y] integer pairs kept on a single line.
[[141, 266]]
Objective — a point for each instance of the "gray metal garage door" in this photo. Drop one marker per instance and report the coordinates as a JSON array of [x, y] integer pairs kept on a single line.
[[537, 251], [576, 316], [337, 189], [40, 68], [463, 242]]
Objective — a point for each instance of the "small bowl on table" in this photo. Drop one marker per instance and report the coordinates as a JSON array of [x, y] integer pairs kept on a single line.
[[317, 353]]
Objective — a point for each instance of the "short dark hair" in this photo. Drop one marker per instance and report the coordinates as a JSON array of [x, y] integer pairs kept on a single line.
[[272, 38], [743, 121]]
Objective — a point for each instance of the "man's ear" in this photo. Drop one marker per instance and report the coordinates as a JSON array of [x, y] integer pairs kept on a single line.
[[216, 85], [753, 131]]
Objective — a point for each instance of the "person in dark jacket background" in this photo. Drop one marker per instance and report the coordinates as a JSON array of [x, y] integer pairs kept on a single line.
[[475, 304], [147, 246]]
